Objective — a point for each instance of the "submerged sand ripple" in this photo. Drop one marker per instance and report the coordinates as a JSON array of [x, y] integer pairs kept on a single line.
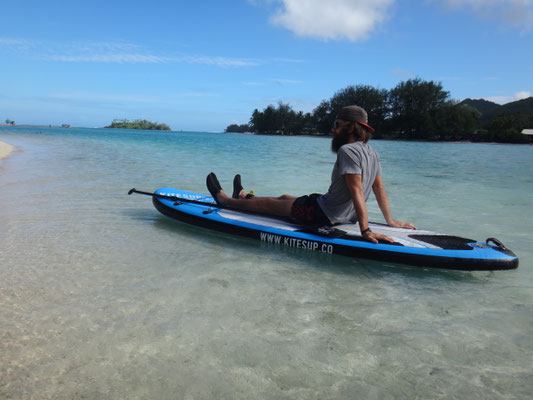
[[5, 150]]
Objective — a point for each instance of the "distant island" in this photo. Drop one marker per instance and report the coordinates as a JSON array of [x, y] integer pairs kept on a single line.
[[413, 110], [138, 124]]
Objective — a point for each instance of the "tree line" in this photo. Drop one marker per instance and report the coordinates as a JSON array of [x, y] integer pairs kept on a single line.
[[137, 124], [414, 109]]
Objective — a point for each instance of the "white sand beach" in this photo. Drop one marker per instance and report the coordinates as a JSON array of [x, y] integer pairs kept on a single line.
[[5, 150]]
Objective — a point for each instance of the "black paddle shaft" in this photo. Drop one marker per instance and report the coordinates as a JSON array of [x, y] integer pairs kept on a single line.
[[201, 203], [175, 198]]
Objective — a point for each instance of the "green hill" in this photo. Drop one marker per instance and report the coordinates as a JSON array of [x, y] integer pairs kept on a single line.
[[483, 106], [521, 111]]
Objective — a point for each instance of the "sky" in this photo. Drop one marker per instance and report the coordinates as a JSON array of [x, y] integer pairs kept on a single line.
[[202, 65]]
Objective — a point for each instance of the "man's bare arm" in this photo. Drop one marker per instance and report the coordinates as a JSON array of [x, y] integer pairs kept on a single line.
[[355, 186], [383, 201]]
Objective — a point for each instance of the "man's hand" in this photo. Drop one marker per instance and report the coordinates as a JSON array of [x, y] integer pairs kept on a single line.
[[400, 224], [376, 237]]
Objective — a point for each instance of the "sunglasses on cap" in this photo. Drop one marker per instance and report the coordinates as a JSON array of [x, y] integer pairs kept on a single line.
[[337, 124]]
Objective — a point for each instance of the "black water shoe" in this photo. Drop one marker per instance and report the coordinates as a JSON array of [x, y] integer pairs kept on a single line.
[[213, 186], [237, 187]]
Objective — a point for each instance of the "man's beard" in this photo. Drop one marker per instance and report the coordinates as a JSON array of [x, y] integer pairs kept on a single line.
[[340, 140]]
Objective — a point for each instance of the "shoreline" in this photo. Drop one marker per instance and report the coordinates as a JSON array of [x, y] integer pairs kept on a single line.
[[5, 150], [385, 139]]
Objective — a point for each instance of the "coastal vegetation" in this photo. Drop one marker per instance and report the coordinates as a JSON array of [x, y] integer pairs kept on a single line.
[[137, 124], [413, 110], [243, 128]]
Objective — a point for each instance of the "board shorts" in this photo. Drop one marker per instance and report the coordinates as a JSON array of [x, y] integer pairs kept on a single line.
[[306, 211]]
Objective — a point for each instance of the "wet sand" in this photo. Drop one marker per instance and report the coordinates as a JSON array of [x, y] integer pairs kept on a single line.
[[5, 150]]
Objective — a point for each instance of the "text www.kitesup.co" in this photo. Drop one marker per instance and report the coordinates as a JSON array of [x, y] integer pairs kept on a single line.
[[298, 243]]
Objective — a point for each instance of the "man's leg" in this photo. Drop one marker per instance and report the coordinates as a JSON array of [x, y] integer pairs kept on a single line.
[[279, 206]]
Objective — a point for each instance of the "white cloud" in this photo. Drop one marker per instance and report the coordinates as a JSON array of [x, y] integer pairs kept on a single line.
[[102, 97], [6, 41], [218, 61], [16, 45], [283, 82], [507, 99], [518, 13], [196, 94], [357, 19], [120, 57], [522, 95], [123, 52], [252, 83], [117, 52], [288, 60], [108, 58], [332, 19]]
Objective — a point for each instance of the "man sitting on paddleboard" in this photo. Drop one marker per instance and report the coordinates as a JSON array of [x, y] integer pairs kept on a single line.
[[357, 171]]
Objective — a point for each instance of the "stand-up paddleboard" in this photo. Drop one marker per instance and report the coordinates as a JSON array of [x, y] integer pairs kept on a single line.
[[413, 247]]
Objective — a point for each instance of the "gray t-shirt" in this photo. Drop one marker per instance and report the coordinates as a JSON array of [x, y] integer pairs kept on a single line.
[[352, 158]]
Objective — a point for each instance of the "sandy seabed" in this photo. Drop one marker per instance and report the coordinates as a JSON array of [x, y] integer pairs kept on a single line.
[[5, 150], [101, 297]]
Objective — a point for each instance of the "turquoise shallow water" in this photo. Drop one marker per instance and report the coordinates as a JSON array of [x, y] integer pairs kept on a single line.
[[102, 297]]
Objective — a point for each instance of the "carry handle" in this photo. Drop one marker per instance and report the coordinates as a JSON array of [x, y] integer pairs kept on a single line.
[[496, 242]]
